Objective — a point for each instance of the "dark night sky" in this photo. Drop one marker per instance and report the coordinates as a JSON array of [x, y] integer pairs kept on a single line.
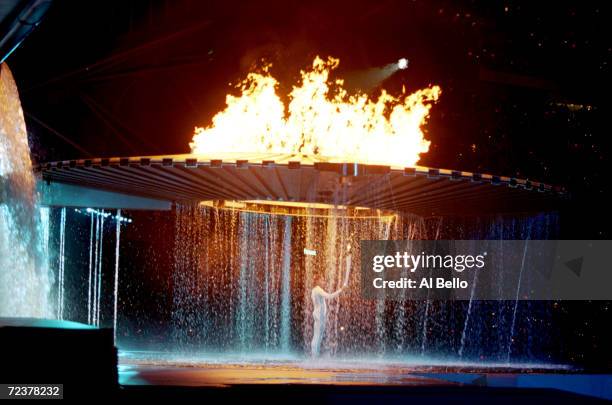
[[112, 77]]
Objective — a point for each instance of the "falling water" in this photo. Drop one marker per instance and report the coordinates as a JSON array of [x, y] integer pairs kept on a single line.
[[61, 265], [94, 285], [245, 318], [516, 301], [45, 230], [99, 281], [91, 258], [468, 314], [381, 302], [25, 278], [267, 265], [428, 303], [242, 284], [116, 278], [286, 288]]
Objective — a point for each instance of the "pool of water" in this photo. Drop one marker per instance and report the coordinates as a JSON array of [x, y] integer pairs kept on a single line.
[[232, 369], [162, 368]]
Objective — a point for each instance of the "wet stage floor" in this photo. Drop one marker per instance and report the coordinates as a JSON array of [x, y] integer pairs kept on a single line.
[[160, 369], [232, 374]]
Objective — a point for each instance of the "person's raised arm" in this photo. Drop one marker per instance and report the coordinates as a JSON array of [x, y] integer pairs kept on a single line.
[[346, 275], [334, 294]]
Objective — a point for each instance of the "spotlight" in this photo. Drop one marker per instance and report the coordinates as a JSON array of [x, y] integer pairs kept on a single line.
[[402, 63]]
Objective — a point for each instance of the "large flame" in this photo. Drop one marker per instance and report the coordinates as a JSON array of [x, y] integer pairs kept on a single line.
[[321, 121]]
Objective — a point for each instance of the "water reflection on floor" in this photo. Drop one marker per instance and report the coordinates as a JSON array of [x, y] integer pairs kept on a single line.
[[229, 369], [232, 374]]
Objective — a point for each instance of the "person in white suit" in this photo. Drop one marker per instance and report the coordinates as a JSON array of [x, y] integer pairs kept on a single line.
[[319, 301]]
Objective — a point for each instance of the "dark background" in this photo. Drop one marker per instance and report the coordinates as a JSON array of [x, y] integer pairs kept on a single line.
[[523, 85]]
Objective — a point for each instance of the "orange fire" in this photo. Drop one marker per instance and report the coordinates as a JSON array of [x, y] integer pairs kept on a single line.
[[321, 121]]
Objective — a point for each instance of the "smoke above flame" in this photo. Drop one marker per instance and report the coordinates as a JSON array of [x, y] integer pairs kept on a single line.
[[321, 121]]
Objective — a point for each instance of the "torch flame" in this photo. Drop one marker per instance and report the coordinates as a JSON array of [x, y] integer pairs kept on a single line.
[[321, 121]]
